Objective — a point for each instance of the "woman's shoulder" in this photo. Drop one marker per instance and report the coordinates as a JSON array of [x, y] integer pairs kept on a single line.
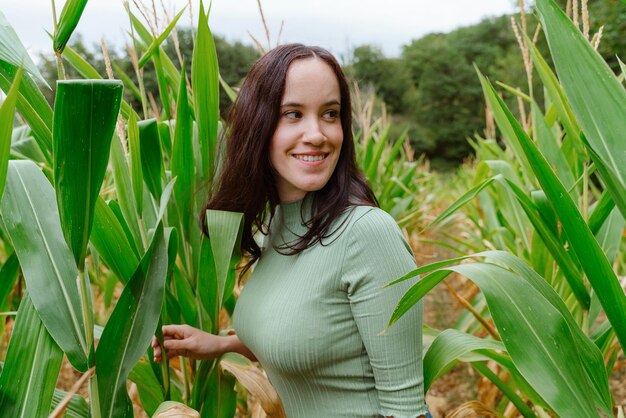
[[371, 217]]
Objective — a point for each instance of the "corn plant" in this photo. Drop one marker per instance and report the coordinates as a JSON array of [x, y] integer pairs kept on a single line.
[[402, 185], [552, 209], [93, 202]]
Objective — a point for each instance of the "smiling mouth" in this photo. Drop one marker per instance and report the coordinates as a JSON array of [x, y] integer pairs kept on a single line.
[[311, 158]]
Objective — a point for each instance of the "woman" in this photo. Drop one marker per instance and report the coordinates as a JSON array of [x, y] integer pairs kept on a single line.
[[314, 309]]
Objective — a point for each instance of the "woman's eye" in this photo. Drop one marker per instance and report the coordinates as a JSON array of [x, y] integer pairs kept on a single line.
[[331, 114], [292, 114]]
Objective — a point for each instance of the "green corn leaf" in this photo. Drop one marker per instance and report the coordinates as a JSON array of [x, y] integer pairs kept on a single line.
[[162, 83], [562, 258], [596, 96], [85, 114], [156, 43], [80, 64], [7, 113], [151, 156], [206, 283], [505, 388], [230, 92], [224, 230], [444, 352], [610, 178], [32, 222], [594, 262], [601, 212], [555, 91], [186, 298], [377, 152], [110, 240], [183, 161], [128, 83], [148, 386], [68, 20], [24, 146], [12, 50], [8, 276], [135, 159], [461, 201], [31, 367], [538, 336], [130, 328], [33, 107], [205, 86], [548, 145], [128, 208], [89, 72], [610, 234], [77, 408]]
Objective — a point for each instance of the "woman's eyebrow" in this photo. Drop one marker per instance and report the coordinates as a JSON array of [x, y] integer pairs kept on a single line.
[[295, 104]]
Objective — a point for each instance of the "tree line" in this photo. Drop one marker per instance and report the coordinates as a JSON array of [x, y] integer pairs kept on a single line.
[[431, 88]]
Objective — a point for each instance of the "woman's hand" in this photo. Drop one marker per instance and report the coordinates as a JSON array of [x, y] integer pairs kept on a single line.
[[187, 341]]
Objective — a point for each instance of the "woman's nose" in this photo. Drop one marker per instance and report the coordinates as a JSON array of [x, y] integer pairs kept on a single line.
[[313, 132]]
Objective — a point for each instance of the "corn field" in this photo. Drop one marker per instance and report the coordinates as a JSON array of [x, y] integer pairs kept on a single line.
[[101, 244]]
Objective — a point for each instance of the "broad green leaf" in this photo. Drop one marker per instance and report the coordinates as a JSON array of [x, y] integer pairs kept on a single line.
[[151, 156], [130, 328], [186, 298], [596, 96], [555, 91], [535, 333], [205, 86], [224, 229], [148, 386], [32, 222], [135, 159], [183, 162], [548, 145], [609, 177], [13, 52], [126, 203], [68, 20], [109, 238], [506, 389], [77, 408], [464, 199], [206, 283], [8, 276], [85, 114], [592, 359], [156, 43], [7, 113], [444, 352], [24, 146], [594, 262], [610, 234], [32, 105], [562, 258], [601, 212], [31, 367], [80, 64]]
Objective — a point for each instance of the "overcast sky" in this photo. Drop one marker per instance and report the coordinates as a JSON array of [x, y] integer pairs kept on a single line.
[[338, 25]]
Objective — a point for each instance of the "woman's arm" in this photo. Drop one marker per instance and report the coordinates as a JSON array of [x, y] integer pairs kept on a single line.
[[187, 341]]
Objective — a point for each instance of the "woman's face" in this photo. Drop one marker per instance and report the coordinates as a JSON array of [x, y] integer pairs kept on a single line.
[[305, 147]]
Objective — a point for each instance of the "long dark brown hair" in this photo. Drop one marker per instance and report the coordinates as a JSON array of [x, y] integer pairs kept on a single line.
[[247, 181]]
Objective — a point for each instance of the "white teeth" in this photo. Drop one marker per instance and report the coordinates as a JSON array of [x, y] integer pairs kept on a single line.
[[310, 157]]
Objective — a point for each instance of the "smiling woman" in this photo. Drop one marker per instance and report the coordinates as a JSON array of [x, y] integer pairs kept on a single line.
[[315, 308]]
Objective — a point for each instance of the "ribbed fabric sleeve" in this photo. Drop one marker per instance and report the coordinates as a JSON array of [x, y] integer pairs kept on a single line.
[[314, 320], [376, 254]]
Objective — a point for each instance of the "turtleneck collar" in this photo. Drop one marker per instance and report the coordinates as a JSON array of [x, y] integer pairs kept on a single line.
[[289, 223]]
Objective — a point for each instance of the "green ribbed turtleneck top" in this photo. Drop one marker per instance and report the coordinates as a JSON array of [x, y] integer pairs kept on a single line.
[[314, 320]]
